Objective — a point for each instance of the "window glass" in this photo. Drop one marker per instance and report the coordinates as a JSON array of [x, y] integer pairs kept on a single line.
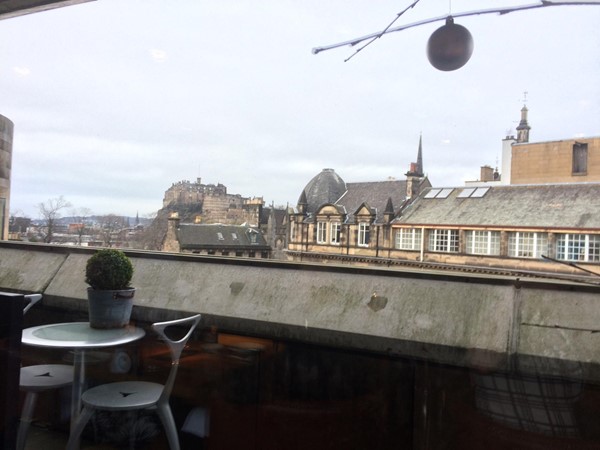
[[408, 239], [443, 241], [363, 234], [336, 229], [483, 242], [527, 244], [578, 247], [321, 232], [580, 157]]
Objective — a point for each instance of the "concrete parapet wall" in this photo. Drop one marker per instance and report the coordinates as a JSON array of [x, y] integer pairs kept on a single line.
[[486, 322]]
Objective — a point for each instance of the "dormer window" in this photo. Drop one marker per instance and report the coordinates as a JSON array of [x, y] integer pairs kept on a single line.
[[321, 232], [363, 234], [336, 231]]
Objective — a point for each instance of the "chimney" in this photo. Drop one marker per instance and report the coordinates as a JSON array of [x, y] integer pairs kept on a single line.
[[487, 173], [171, 243]]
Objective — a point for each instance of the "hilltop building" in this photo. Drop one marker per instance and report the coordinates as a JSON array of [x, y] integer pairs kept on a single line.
[[190, 204], [210, 203]]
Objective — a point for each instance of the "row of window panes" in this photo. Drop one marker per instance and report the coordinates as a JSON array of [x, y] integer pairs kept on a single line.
[[569, 247], [578, 247]]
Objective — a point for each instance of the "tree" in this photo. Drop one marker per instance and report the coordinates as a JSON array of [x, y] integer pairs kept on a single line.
[[50, 213], [81, 215], [110, 227]]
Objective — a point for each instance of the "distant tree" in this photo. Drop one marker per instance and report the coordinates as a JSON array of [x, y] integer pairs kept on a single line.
[[153, 235], [49, 214], [81, 217], [110, 227]]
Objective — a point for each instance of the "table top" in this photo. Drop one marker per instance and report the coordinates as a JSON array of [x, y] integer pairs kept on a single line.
[[79, 335]]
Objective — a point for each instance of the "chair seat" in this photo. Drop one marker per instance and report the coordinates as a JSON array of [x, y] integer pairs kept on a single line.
[[123, 395], [45, 376]]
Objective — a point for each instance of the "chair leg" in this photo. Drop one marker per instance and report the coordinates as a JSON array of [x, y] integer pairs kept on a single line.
[[166, 417], [26, 416], [82, 421]]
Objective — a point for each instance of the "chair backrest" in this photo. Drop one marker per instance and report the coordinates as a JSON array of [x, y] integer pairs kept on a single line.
[[175, 347], [32, 299]]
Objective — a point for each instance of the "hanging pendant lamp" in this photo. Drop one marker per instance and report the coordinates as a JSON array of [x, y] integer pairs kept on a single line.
[[450, 47]]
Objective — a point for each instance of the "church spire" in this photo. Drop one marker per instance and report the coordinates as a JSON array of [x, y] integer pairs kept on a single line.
[[420, 156], [523, 128], [416, 169]]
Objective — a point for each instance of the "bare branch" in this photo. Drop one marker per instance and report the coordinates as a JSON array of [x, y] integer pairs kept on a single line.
[[500, 11]]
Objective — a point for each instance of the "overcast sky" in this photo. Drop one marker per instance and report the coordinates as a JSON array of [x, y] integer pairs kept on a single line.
[[115, 100]]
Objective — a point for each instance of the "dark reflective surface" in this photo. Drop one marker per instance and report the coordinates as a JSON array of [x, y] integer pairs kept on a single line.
[[246, 392]]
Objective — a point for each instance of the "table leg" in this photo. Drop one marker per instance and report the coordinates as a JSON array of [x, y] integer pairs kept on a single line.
[[78, 385]]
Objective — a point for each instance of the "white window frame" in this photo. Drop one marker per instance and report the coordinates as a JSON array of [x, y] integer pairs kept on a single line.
[[364, 230], [408, 238], [335, 233], [443, 241], [578, 247], [321, 232], [527, 244], [482, 242]]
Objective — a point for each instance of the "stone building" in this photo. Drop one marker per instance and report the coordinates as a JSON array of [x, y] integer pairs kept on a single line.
[[209, 203], [339, 221], [542, 228], [563, 161], [6, 142], [195, 203], [215, 239], [274, 225]]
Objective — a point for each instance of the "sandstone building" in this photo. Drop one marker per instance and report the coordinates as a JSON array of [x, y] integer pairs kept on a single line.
[[195, 213], [540, 214], [562, 161], [209, 203], [340, 221]]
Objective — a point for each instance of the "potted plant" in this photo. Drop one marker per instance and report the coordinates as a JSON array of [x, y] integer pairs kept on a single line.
[[109, 272]]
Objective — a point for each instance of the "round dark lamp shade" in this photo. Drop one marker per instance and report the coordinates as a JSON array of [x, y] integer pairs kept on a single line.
[[450, 47]]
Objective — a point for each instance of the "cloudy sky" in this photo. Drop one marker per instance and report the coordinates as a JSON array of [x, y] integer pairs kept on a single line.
[[115, 100]]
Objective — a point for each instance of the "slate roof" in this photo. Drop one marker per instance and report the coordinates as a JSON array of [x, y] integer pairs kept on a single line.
[[559, 206], [205, 236], [278, 213], [325, 187], [375, 194]]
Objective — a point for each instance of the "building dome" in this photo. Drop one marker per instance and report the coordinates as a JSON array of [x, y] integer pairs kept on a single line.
[[326, 187]]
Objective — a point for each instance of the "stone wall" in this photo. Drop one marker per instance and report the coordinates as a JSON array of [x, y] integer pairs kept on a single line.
[[473, 321], [552, 162]]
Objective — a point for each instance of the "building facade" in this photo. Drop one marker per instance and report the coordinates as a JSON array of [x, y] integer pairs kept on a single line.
[[562, 161], [215, 239], [339, 221], [6, 143], [542, 228], [209, 203]]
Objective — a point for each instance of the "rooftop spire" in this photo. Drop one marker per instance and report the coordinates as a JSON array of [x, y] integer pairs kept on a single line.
[[416, 169], [523, 128]]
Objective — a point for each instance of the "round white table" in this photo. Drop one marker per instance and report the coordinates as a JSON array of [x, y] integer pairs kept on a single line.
[[79, 337]]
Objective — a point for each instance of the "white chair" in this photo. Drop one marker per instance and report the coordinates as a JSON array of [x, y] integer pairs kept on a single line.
[[136, 395], [36, 379]]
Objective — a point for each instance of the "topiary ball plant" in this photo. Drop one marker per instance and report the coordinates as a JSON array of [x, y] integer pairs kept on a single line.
[[109, 270]]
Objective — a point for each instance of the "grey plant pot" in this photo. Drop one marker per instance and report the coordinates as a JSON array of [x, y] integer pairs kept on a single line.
[[110, 309]]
